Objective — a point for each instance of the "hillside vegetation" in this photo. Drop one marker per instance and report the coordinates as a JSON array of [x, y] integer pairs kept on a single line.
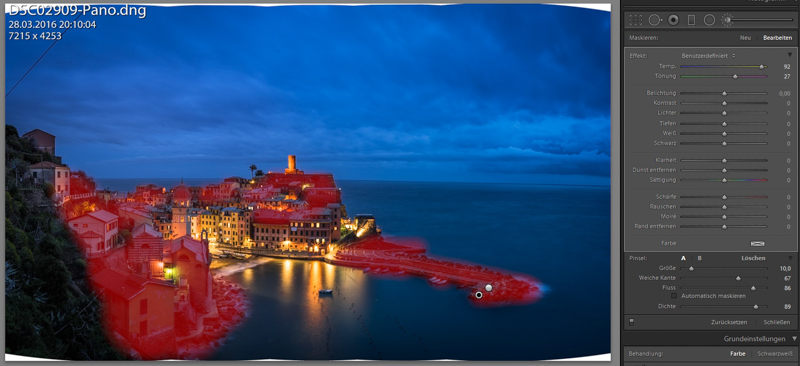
[[51, 311]]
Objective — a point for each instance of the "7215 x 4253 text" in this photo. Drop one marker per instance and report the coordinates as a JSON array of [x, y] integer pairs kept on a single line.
[[32, 36]]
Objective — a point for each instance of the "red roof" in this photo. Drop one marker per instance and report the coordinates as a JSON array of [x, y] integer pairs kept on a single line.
[[320, 180], [271, 217], [271, 221], [100, 215], [46, 165], [275, 217], [198, 248], [181, 193], [126, 285], [33, 131], [321, 197], [90, 234], [135, 211], [145, 229], [103, 215]]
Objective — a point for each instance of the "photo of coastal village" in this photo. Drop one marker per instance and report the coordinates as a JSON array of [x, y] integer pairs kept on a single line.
[[329, 196]]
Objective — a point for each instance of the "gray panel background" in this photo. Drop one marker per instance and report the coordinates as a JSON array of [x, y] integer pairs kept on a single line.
[[615, 150]]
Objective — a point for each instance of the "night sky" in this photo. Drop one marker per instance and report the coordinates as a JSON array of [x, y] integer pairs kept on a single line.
[[475, 93]]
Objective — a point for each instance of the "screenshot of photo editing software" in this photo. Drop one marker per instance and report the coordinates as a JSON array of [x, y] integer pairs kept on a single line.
[[571, 183]]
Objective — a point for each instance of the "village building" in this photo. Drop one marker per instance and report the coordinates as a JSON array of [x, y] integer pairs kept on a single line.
[[43, 141], [98, 230], [187, 263], [163, 224], [271, 230], [107, 195], [184, 216], [238, 182], [138, 214], [139, 309], [146, 252], [209, 221], [308, 230], [150, 194], [196, 192], [235, 229], [55, 174]]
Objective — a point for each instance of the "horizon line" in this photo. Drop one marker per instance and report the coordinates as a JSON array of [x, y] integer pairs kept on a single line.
[[393, 180]]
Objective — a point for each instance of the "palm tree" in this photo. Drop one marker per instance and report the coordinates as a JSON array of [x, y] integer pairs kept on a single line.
[[252, 169]]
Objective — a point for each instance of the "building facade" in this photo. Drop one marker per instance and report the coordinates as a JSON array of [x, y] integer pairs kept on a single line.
[[140, 310], [55, 174], [43, 141], [235, 228], [146, 252], [102, 223]]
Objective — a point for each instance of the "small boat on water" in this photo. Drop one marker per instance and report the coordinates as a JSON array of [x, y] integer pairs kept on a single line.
[[326, 291], [366, 269], [384, 270], [399, 272]]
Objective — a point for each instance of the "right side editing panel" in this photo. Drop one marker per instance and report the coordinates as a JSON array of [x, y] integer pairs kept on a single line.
[[709, 176]]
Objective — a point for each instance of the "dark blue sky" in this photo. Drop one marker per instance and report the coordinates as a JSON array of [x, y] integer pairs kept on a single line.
[[501, 93]]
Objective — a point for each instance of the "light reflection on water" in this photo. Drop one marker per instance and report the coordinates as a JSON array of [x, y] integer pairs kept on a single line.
[[287, 309], [247, 277], [286, 277], [313, 308], [300, 282], [373, 317]]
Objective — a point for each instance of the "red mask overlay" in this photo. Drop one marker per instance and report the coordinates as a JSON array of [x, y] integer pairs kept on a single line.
[[154, 274], [404, 256], [160, 299]]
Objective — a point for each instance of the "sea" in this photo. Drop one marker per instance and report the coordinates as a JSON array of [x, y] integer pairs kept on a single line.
[[557, 234]]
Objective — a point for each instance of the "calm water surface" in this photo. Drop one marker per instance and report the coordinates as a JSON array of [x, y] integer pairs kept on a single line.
[[558, 234]]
